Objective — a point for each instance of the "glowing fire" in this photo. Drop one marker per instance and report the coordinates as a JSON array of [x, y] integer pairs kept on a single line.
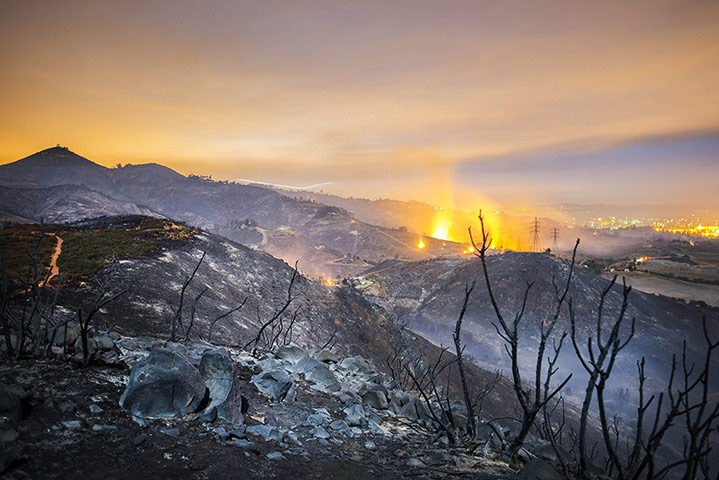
[[441, 225], [420, 245]]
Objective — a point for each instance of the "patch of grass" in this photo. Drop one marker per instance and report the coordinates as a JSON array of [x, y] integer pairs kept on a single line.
[[16, 247], [86, 250]]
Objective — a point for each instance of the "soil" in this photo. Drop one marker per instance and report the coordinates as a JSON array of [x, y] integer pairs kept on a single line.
[[47, 448]]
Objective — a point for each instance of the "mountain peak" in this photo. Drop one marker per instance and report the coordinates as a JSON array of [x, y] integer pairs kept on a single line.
[[57, 150]]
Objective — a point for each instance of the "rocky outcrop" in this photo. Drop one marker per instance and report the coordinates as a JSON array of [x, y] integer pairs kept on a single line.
[[220, 374], [165, 384]]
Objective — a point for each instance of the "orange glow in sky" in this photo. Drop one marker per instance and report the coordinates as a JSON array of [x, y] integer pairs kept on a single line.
[[359, 94]]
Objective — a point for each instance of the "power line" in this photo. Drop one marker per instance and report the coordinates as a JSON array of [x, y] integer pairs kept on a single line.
[[536, 247], [555, 237]]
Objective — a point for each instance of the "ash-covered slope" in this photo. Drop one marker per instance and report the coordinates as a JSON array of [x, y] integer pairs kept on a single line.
[[233, 272], [428, 296], [222, 207], [62, 204]]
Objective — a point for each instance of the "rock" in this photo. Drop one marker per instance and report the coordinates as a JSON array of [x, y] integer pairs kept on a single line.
[[325, 356], [171, 432], [164, 384], [176, 347], [355, 415], [238, 432], [245, 445], [141, 422], [265, 431], [292, 439], [269, 364], [291, 394], [341, 427], [273, 383], [320, 417], [346, 397], [375, 399], [145, 343], [114, 336], [104, 428], [221, 378], [324, 380], [139, 440], [14, 402], [91, 346], [104, 342], [72, 424], [110, 357], [221, 432], [537, 469], [129, 344], [414, 410], [372, 387], [290, 353], [355, 366], [321, 433], [73, 333], [275, 456], [415, 462], [306, 365], [200, 346], [370, 445], [95, 408], [374, 427], [209, 415]]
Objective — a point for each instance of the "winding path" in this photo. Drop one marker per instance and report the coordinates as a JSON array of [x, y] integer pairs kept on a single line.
[[54, 270]]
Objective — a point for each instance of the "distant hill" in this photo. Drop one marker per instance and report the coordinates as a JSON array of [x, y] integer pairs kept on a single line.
[[223, 207], [61, 204]]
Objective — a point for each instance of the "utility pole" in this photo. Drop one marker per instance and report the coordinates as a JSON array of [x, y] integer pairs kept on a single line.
[[555, 236], [536, 247]]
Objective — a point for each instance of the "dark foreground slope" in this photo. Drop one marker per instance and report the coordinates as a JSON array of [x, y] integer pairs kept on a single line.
[[155, 257]]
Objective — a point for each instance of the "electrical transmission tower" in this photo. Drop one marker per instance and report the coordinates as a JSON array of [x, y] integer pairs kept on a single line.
[[555, 237], [536, 247]]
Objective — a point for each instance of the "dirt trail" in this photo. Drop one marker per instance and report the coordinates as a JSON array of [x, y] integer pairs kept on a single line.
[[54, 270]]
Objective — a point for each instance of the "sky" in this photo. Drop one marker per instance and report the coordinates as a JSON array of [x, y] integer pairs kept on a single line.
[[451, 102]]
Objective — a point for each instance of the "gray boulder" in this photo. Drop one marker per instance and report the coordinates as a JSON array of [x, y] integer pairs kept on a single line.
[[104, 342], [356, 366], [268, 432], [341, 427], [220, 375], [355, 415], [323, 379], [306, 365], [415, 410], [320, 417], [290, 353], [346, 397], [375, 399], [273, 383], [164, 384], [326, 356], [73, 333], [320, 433]]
